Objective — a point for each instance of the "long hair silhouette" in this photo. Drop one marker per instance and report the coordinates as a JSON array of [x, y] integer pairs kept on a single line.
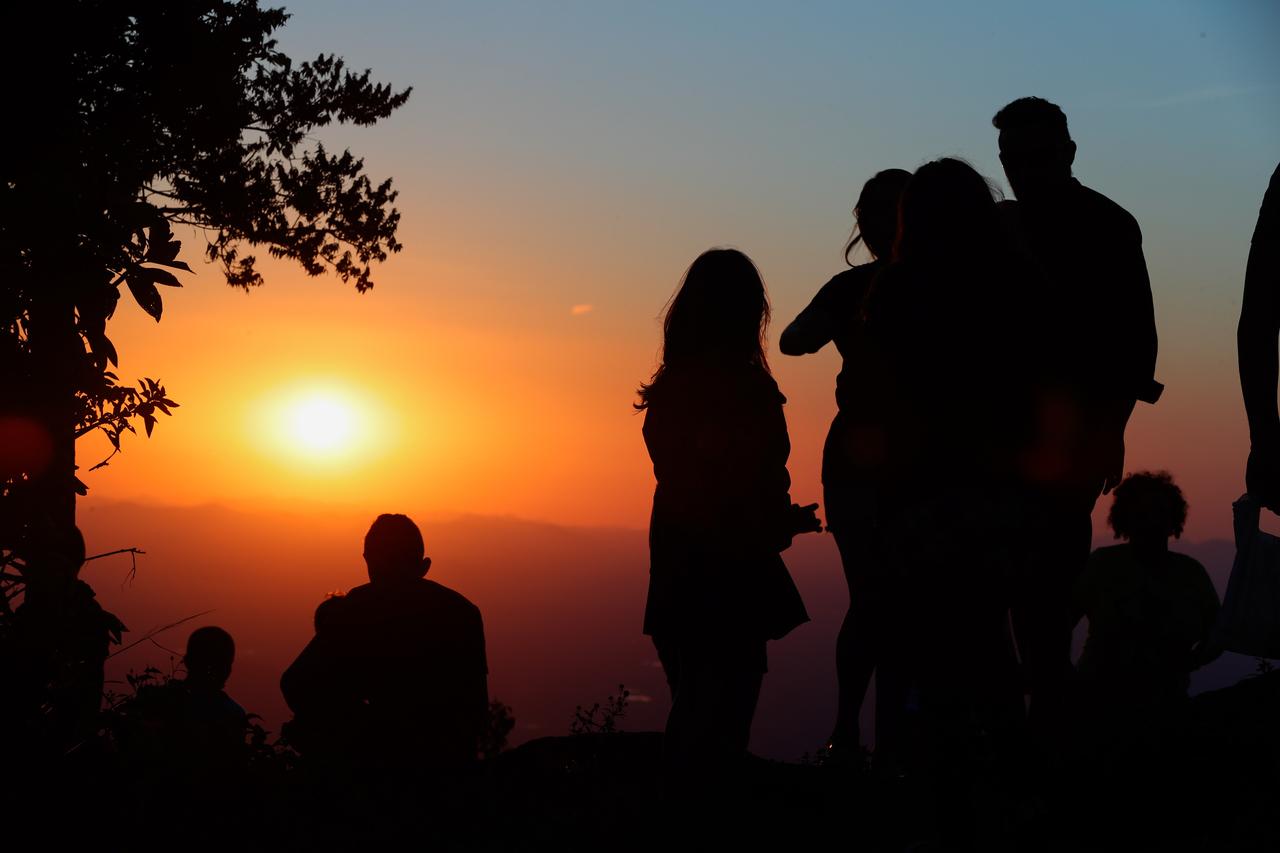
[[719, 314], [947, 209], [876, 213]]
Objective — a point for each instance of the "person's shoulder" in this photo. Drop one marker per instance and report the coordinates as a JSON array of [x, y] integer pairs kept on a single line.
[[450, 598], [1100, 207], [1109, 555], [855, 277], [338, 605], [1188, 565], [231, 707]]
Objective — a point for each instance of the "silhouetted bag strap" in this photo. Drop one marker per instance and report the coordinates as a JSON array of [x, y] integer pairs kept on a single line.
[[1249, 621]]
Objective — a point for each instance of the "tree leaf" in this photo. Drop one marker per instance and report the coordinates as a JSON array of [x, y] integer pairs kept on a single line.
[[159, 276], [102, 346], [160, 253], [146, 295]]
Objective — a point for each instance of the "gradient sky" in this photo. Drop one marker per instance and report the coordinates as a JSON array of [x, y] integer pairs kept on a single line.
[[561, 164]]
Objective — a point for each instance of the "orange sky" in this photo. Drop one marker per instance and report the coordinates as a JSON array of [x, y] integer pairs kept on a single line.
[[473, 406], [559, 170]]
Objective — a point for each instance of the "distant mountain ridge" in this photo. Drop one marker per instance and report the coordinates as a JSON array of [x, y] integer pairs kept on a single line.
[[562, 607]]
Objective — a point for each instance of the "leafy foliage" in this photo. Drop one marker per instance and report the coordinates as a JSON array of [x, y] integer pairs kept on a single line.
[[150, 115], [130, 119], [601, 719], [500, 724]]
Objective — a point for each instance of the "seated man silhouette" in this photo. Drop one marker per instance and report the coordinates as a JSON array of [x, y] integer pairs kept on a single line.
[[395, 676], [191, 724]]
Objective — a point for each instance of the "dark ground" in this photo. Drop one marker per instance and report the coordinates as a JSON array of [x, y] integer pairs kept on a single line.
[[1209, 783]]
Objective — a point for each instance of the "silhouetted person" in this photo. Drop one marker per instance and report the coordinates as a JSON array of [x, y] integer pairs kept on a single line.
[[947, 321], [1097, 326], [722, 513], [57, 647], [190, 724], [1150, 615], [1150, 610], [853, 464], [1257, 341], [396, 674]]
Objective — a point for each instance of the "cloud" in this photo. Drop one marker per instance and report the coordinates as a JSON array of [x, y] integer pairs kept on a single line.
[[579, 310]]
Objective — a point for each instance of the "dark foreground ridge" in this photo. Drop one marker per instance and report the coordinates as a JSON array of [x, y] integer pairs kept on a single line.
[[1207, 781]]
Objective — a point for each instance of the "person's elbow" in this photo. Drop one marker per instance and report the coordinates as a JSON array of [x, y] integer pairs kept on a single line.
[[791, 342]]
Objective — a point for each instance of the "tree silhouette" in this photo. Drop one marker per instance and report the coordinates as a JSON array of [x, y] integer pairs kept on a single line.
[[126, 119]]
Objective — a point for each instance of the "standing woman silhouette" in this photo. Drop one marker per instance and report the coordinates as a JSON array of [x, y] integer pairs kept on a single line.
[[853, 463], [951, 320], [722, 512]]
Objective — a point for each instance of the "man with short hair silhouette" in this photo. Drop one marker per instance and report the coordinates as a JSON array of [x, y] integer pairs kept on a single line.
[[1096, 336], [396, 674]]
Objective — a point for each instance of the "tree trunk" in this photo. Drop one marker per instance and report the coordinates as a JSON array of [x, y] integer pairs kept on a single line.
[[55, 351]]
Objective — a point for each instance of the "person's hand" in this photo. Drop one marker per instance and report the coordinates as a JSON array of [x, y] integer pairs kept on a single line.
[[1112, 464], [1262, 476], [804, 519]]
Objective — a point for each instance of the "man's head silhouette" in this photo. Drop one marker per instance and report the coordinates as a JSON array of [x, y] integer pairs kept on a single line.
[[210, 653], [393, 550], [1035, 147]]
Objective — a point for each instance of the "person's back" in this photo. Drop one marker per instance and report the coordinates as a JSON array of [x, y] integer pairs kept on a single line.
[[396, 673], [1150, 610], [1099, 308], [1145, 618], [718, 441], [190, 726], [1097, 318], [411, 654], [947, 321]]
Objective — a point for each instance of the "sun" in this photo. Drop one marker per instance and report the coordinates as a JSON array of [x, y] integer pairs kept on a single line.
[[322, 423], [320, 427]]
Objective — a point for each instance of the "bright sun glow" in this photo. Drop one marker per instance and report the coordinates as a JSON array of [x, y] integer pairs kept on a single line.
[[322, 423], [325, 424]]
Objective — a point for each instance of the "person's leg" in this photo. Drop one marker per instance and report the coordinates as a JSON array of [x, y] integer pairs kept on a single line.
[[737, 690], [669, 656], [850, 518], [1042, 609], [856, 644]]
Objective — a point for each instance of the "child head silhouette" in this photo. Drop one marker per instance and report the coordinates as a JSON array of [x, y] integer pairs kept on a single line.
[[210, 653], [1148, 508]]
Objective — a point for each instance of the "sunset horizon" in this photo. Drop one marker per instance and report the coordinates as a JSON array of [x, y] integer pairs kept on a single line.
[[515, 425]]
